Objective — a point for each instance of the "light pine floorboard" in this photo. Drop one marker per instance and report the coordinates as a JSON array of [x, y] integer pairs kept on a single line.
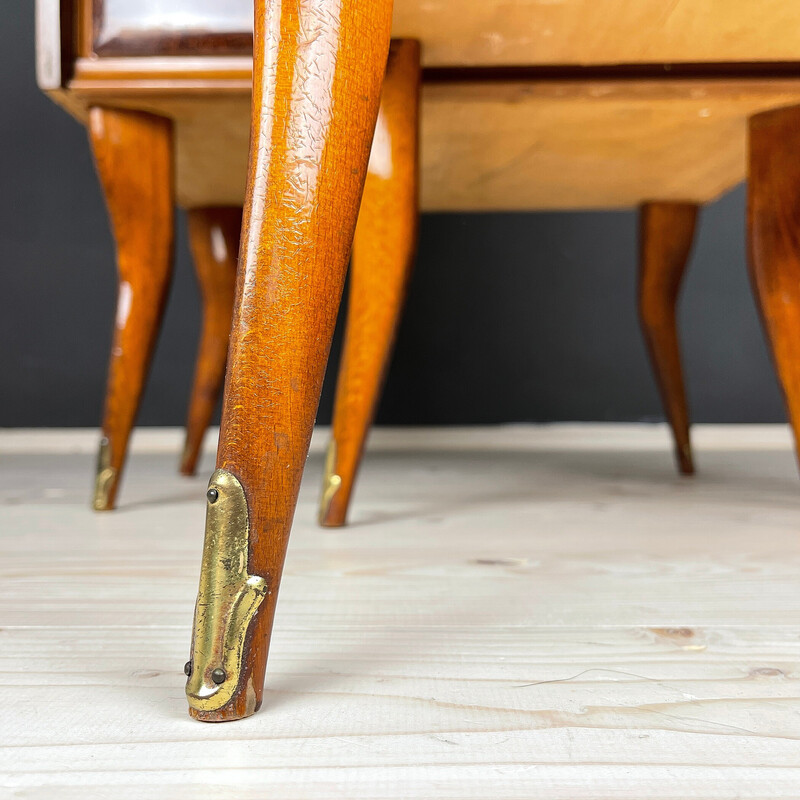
[[514, 613]]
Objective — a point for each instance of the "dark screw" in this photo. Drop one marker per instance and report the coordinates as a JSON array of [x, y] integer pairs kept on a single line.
[[212, 495], [187, 668], [218, 675]]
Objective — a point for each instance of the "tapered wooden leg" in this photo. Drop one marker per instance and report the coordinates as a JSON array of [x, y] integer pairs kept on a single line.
[[214, 241], [318, 67], [383, 254], [133, 153], [666, 235], [773, 224]]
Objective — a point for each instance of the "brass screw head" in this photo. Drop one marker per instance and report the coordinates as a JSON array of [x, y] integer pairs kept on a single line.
[[218, 675]]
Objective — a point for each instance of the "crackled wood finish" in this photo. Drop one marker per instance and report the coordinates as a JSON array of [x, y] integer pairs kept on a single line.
[[133, 153], [773, 215], [383, 254], [320, 66], [666, 233], [214, 242]]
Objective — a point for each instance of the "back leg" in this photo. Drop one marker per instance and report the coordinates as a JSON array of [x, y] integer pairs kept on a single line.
[[133, 153], [666, 235], [214, 241], [383, 255]]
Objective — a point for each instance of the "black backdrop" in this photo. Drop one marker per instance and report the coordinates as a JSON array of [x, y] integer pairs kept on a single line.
[[511, 317]]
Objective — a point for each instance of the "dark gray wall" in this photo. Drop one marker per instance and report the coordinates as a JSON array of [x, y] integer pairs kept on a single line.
[[511, 316]]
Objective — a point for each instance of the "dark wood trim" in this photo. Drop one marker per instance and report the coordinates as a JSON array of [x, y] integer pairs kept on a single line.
[[175, 44], [611, 72]]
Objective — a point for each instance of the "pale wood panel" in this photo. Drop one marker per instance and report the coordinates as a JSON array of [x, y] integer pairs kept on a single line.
[[521, 146], [544, 145], [523, 619], [587, 145], [514, 32], [499, 782]]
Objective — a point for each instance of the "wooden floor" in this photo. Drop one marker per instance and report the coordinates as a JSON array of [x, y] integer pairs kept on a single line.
[[515, 613]]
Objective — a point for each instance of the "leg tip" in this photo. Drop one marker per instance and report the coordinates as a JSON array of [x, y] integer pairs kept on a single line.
[[242, 705], [332, 518], [224, 715], [685, 460], [331, 514], [105, 481], [189, 459]]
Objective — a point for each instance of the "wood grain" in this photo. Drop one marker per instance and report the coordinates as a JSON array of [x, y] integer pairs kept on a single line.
[[620, 632], [214, 242], [568, 145], [501, 32], [666, 234], [511, 145], [383, 255], [307, 169], [773, 209], [133, 153]]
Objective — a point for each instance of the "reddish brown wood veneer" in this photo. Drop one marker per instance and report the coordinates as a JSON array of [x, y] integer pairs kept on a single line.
[[133, 152], [666, 233], [383, 254], [773, 214], [319, 68], [214, 242]]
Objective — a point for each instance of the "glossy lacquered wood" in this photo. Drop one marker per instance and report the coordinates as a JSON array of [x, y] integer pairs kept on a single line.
[[383, 254], [773, 222], [666, 233], [319, 67], [133, 153], [214, 242]]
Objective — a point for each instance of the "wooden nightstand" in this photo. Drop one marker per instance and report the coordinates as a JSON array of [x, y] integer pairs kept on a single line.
[[525, 105]]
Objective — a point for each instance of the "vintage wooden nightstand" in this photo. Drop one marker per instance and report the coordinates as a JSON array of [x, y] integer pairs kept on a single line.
[[525, 104]]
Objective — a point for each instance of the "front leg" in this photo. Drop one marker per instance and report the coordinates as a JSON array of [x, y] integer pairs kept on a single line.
[[318, 67], [773, 206]]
